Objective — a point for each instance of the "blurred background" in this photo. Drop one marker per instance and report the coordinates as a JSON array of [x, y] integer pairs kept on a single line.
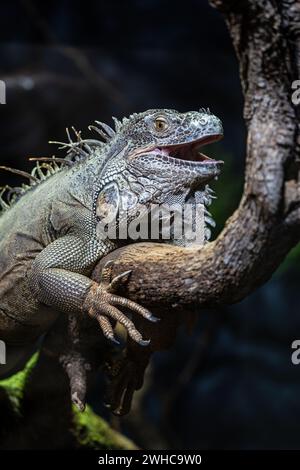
[[231, 383]]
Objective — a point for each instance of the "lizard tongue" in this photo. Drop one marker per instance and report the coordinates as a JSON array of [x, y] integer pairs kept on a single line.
[[188, 153]]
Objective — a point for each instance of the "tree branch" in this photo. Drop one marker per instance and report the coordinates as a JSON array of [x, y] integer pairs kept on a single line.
[[266, 225]]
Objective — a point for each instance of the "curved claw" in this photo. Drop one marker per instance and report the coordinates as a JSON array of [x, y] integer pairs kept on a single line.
[[106, 273], [101, 303], [115, 283], [107, 329], [144, 342], [111, 311], [117, 300]]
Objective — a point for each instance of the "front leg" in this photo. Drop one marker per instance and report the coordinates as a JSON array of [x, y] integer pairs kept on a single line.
[[58, 278]]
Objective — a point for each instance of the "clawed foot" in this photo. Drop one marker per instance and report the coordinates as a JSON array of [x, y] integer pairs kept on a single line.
[[124, 378], [102, 303]]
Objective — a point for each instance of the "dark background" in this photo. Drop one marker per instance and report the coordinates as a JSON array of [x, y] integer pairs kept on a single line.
[[231, 383]]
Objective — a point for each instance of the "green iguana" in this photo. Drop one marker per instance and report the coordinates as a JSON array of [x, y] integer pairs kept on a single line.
[[49, 243]]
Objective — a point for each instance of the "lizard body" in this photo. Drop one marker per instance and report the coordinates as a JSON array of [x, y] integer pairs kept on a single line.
[[49, 242]]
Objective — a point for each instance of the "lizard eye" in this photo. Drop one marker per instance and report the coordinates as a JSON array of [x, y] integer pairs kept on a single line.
[[161, 124]]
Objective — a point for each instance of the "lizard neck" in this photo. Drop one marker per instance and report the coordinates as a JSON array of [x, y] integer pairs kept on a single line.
[[89, 176]]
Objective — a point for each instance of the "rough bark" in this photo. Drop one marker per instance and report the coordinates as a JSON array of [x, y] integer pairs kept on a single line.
[[266, 225]]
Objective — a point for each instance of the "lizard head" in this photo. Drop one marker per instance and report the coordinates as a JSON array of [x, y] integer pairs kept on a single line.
[[170, 140], [160, 161], [164, 145]]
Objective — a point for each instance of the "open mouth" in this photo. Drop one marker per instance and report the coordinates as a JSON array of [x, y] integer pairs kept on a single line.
[[190, 152]]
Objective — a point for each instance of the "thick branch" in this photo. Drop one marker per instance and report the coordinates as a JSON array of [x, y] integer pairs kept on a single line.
[[267, 223]]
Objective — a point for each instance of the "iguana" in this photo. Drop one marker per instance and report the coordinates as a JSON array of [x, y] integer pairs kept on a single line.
[[49, 243]]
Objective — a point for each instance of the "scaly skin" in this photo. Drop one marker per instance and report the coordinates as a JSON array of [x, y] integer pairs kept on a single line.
[[49, 243]]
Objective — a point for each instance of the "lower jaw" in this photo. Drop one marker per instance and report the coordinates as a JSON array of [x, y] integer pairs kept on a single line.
[[200, 172]]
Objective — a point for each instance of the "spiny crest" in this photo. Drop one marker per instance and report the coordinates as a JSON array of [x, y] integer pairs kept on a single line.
[[77, 150], [49, 166], [126, 120], [80, 148], [204, 110], [105, 131]]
